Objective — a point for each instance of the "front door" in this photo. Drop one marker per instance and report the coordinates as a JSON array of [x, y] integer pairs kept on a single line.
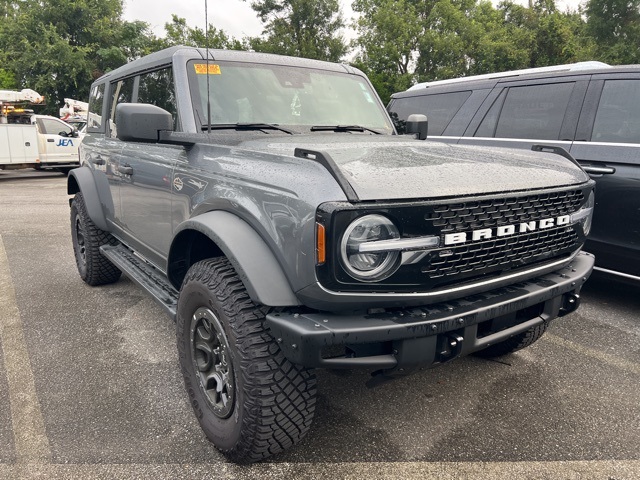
[[145, 196], [58, 142]]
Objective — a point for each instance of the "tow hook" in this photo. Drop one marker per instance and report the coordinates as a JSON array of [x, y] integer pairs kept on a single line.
[[570, 303], [451, 347]]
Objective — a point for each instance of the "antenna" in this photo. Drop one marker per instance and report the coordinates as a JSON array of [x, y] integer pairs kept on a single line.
[[206, 39]]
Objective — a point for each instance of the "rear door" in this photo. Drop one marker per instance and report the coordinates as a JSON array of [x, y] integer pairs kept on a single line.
[[96, 151], [110, 158], [523, 113], [608, 146]]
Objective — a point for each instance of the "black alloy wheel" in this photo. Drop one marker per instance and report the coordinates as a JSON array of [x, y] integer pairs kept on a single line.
[[93, 267], [212, 362], [250, 401]]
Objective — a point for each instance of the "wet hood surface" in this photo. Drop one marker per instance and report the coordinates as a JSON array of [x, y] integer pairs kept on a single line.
[[395, 167]]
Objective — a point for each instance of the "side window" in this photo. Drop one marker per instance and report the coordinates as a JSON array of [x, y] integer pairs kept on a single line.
[[439, 109], [94, 117], [121, 92], [488, 126], [534, 112], [51, 126], [618, 115], [157, 89]]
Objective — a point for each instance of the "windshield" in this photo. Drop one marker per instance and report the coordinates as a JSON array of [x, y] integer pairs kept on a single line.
[[282, 95], [81, 125]]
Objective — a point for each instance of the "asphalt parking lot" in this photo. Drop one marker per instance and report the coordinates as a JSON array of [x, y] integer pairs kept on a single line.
[[90, 388]]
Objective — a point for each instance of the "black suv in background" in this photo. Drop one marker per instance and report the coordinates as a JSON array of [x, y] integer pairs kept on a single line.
[[590, 109]]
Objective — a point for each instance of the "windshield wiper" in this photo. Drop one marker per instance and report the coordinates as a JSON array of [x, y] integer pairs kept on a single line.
[[247, 126], [343, 128]]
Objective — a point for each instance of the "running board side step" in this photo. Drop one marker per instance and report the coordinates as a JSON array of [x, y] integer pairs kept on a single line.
[[145, 275]]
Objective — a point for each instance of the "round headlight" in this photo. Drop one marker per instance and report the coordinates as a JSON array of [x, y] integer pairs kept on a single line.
[[369, 266]]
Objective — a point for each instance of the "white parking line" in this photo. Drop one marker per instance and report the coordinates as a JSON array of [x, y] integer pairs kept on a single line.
[[31, 443], [574, 470]]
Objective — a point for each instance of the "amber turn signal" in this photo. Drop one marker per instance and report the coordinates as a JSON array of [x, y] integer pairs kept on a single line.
[[321, 252]]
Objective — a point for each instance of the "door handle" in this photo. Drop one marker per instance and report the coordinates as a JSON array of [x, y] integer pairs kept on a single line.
[[599, 170], [125, 169], [50, 140]]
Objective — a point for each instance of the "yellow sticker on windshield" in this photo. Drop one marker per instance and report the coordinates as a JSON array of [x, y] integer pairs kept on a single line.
[[201, 69]]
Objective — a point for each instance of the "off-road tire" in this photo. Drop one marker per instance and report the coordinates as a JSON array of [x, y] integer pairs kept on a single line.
[[273, 399], [515, 343], [93, 267]]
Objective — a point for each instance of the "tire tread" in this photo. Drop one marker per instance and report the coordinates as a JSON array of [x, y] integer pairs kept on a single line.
[[280, 396], [99, 270]]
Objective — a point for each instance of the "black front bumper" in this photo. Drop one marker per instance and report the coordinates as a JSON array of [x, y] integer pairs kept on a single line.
[[431, 334]]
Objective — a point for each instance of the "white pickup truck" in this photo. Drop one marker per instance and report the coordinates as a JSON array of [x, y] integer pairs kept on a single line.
[[38, 141]]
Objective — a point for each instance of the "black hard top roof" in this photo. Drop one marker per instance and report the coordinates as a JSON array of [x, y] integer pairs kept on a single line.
[[182, 53]]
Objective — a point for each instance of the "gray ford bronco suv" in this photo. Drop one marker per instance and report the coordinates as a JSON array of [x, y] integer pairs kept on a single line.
[[270, 207]]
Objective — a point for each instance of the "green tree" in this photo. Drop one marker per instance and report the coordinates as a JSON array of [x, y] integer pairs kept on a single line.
[[615, 28], [7, 81], [179, 33], [128, 41], [300, 28], [58, 48], [446, 45], [500, 44], [423, 40], [551, 37], [387, 45]]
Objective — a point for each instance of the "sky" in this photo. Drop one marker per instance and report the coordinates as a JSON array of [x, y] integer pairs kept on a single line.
[[235, 17]]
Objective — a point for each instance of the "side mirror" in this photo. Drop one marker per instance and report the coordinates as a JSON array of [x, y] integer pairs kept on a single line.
[[141, 122], [418, 124]]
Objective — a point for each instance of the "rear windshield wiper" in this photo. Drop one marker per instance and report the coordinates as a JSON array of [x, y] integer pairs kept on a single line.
[[343, 128], [247, 126]]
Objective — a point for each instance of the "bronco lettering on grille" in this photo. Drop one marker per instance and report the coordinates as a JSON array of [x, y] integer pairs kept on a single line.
[[505, 230]]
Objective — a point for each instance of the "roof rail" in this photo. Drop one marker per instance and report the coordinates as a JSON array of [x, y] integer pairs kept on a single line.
[[570, 67]]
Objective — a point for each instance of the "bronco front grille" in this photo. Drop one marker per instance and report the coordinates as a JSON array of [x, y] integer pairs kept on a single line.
[[512, 251], [465, 262], [495, 212], [517, 250]]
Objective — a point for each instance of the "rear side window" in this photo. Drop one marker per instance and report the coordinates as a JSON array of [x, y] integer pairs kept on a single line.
[[530, 112], [439, 109], [157, 89], [121, 92], [618, 115], [96, 100]]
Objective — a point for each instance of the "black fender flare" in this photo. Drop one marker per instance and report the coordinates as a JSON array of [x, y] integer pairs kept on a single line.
[[81, 180], [253, 260]]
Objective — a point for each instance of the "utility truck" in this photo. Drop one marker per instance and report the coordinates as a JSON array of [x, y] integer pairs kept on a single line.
[[74, 112], [35, 141]]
